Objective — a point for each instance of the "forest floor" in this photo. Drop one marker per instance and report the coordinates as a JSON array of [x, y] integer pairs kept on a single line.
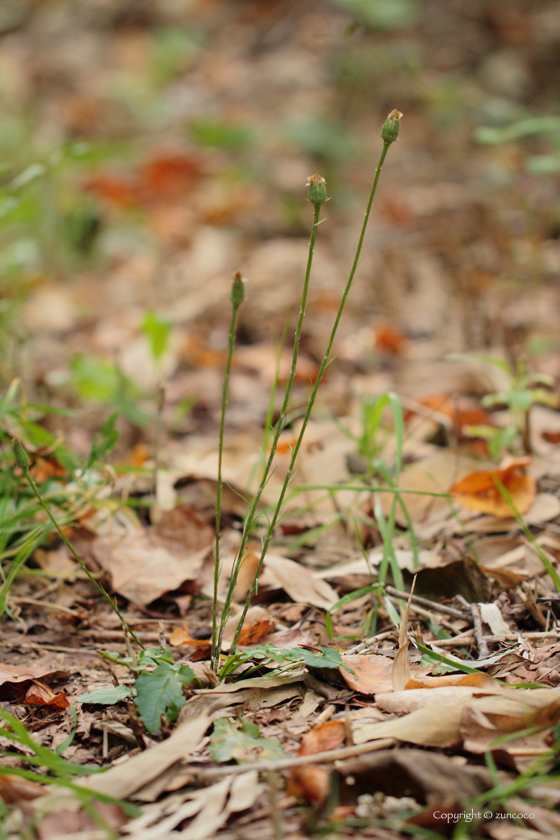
[[150, 150]]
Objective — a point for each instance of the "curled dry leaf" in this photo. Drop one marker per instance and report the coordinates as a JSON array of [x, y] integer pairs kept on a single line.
[[479, 491], [181, 636], [486, 719], [258, 624], [39, 694]]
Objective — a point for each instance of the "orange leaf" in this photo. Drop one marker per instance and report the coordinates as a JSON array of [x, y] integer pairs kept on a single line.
[[327, 736], [256, 631], [114, 189], [311, 783], [39, 694], [476, 680], [478, 490], [389, 339], [168, 176], [181, 636], [372, 674]]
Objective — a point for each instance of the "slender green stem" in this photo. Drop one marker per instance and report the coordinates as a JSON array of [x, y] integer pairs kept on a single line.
[[87, 572], [251, 516], [225, 392], [312, 397]]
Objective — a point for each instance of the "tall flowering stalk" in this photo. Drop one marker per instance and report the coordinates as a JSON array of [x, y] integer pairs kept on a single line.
[[317, 195], [317, 192], [237, 297]]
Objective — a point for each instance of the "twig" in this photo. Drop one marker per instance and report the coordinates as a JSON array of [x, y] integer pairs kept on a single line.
[[35, 602], [464, 639], [483, 649], [513, 637], [275, 817], [35, 646], [116, 635], [296, 761], [424, 602], [369, 643]]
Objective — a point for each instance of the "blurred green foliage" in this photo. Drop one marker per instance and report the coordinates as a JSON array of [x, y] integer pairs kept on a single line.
[[232, 137], [384, 14]]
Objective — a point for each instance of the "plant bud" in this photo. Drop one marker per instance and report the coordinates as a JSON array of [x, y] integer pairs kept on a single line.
[[21, 456], [237, 289], [317, 187], [390, 130]]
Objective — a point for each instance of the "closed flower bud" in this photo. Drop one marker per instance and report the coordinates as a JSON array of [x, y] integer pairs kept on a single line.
[[390, 130], [237, 289], [21, 456], [317, 187]]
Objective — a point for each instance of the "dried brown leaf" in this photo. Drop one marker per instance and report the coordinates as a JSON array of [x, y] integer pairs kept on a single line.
[[479, 491], [372, 673]]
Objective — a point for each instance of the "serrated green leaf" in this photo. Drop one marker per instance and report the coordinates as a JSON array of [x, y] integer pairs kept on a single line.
[[160, 691], [244, 744], [106, 696]]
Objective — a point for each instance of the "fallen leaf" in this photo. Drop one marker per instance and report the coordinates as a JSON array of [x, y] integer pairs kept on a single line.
[[389, 339], [299, 582], [167, 176], [486, 719], [123, 780], [409, 700], [431, 474], [327, 736], [311, 783], [256, 631], [143, 566], [246, 576], [258, 624], [491, 615], [14, 674], [46, 467], [61, 816], [39, 694], [400, 669], [434, 726], [14, 789], [474, 680], [183, 526], [372, 673], [478, 490], [180, 636]]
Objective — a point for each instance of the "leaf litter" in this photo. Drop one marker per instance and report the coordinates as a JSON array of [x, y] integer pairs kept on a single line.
[[311, 678]]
